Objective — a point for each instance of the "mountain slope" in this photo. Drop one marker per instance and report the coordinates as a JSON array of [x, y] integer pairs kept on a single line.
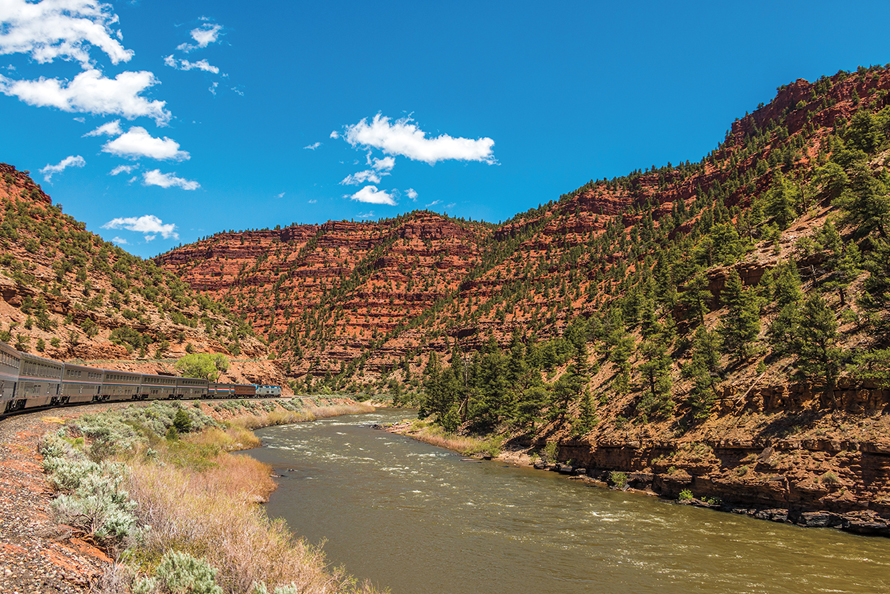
[[68, 295]]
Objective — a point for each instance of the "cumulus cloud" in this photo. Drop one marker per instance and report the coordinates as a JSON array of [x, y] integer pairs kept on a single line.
[[91, 92], [112, 128], [137, 142], [119, 240], [168, 180], [122, 169], [361, 177], [335, 134], [186, 65], [72, 161], [203, 36], [371, 195], [313, 146], [148, 224], [60, 29], [384, 164], [410, 193], [403, 138]]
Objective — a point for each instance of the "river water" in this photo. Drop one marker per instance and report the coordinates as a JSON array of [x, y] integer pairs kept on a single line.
[[415, 519]]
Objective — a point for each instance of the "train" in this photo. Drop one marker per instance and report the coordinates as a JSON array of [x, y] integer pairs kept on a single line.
[[29, 382]]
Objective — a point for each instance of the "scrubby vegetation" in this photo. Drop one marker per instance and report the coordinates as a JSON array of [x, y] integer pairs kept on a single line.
[[156, 486]]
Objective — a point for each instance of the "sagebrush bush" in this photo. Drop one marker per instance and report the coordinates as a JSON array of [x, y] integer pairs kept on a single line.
[[93, 497], [180, 573]]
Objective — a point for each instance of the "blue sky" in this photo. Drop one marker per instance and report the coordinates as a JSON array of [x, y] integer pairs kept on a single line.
[[227, 115]]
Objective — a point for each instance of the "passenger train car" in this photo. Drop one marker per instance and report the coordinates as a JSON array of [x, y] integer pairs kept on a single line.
[[28, 381]]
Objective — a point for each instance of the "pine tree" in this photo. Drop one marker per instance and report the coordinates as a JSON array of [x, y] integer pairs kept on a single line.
[[866, 202], [741, 325], [696, 297], [815, 341]]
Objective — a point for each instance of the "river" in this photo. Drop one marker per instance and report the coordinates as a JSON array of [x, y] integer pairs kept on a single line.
[[415, 518]]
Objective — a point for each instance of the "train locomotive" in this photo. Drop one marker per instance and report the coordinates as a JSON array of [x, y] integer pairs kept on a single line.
[[29, 382]]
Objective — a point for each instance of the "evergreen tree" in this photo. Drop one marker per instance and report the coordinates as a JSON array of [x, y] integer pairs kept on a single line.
[[844, 261], [815, 341], [866, 202], [741, 325], [781, 202], [695, 297]]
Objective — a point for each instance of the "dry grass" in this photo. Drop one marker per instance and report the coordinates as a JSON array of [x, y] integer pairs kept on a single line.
[[286, 417], [207, 508], [235, 437], [189, 513], [464, 444]]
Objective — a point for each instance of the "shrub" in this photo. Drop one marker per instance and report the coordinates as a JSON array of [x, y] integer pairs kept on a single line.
[[180, 573], [551, 451], [182, 422], [619, 479], [685, 495], [829, 478]]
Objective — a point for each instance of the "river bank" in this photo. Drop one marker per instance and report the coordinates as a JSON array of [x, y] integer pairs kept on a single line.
[[418, 518], [39, 554], [809, 483]]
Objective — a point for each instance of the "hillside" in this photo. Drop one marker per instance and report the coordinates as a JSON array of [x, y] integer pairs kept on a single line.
[[68, 295], [719, 326]]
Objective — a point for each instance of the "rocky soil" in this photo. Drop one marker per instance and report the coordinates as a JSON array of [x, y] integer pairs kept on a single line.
[[36, 554]]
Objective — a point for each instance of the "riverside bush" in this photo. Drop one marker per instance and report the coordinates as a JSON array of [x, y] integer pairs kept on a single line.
[[180, 573], [93, 498], [619, 479]]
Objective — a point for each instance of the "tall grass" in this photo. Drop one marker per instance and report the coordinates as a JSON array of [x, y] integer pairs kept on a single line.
[[287, 417], [215, 520], [186, 494], [464, 444]]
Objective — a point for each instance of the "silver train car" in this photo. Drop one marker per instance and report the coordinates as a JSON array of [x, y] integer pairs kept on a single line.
[[28, 381]]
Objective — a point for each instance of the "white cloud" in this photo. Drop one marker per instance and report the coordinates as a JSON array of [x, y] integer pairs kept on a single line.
[[72, 161], [384, 164], [371, 195], [313, 146], [112, 128], [312, 201], [281, 195], [186, 65], [60, 29], [151, 237], [91, 92], [361, 177], [411, 193], [403, 138], [122, 169], [433, 203], [168, 180], [148, 224], [367, 215], [137, 142], [335, 134], [203, 36], [212, 87], [119, 240]]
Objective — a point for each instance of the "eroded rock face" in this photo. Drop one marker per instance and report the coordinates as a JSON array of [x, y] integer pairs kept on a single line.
[[325, 295]]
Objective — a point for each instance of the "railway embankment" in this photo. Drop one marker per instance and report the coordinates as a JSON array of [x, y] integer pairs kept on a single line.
[[177, 488]]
